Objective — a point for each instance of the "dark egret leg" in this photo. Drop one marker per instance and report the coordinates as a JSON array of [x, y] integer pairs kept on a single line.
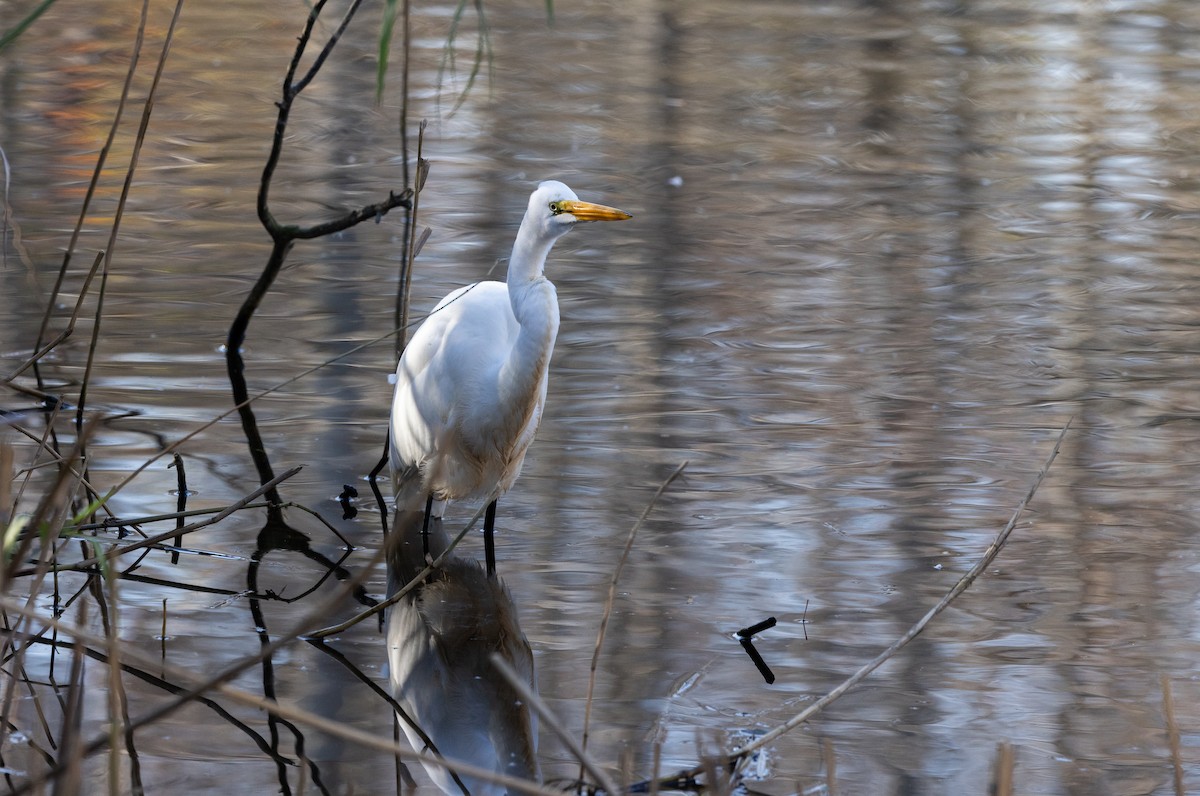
[[489, 540], [425, 527]]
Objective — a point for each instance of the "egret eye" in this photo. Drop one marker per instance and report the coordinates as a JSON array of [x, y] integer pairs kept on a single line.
[[555, 209]]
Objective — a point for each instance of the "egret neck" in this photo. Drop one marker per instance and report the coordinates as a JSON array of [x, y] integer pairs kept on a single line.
[[534, 304]]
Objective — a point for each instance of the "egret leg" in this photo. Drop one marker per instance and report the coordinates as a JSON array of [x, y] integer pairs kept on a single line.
[[425, 527], [489, 540]]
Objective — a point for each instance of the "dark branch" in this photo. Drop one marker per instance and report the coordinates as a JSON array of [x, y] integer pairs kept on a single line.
[[354, 217], [284, 236]]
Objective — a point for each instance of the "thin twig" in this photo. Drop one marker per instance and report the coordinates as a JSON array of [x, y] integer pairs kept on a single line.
[[87, 372], [65, 333], [405, 288], [416, 580], [963, 584], [319, 61], [139, 140], [130, 522], [70, 757], [612, 596]]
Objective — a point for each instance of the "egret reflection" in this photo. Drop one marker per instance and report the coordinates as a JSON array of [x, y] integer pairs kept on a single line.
[[439, 640]]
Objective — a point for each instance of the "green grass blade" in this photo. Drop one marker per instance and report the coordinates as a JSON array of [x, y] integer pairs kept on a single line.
[[23, 25], [385, 44]]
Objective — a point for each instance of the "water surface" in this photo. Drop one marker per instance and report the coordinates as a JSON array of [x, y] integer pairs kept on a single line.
[[880, 254]]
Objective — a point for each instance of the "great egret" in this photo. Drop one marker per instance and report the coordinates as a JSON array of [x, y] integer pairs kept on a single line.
[[471, 383]]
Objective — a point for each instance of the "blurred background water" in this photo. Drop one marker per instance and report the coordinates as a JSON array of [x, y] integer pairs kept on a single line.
[[881, 252]]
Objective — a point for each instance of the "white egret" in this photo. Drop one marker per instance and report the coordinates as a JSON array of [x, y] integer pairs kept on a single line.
[[471, 382]]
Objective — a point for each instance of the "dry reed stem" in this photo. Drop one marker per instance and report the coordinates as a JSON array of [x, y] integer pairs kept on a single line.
[[656, 768], [830, 759], [529, 696], [87, 379], [140, 138], [404, 289], [1005, 766], [95, 180], [127, 184], [147, 519], [1172, 733], [71, 738], [118, 700]]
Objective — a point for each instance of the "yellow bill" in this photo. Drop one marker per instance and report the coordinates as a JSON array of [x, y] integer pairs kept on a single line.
[[586, 211]]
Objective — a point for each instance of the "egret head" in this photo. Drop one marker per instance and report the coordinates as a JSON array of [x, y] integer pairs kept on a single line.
[[555, 208]]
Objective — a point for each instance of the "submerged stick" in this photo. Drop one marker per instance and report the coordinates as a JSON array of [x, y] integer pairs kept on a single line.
[[180, 503]]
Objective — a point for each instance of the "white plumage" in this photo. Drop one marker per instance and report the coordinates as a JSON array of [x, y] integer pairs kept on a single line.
[[471, 383]]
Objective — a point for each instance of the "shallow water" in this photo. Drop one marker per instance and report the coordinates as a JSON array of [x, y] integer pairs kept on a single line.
[[880, 254]]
